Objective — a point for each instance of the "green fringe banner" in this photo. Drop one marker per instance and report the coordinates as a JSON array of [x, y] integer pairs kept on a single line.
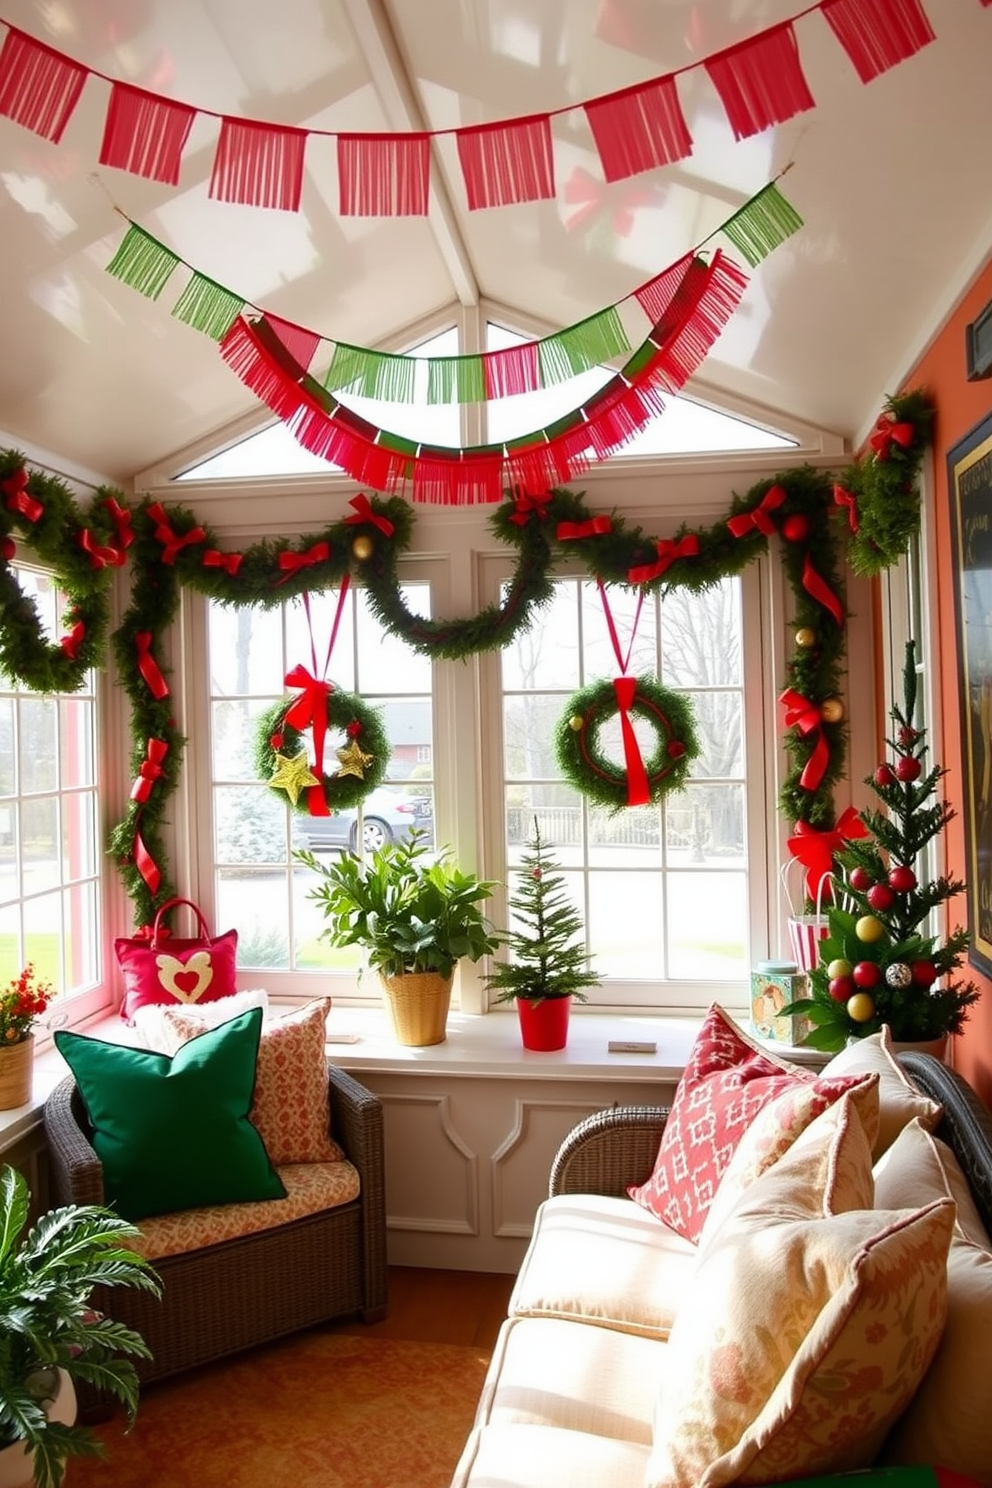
[[762, 224], [208, 307], [143, 263], [371, 374], [579, 347], [456, 379]]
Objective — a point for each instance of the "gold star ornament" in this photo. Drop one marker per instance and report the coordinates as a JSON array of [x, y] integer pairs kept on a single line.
[[354, 761], [292, 774]]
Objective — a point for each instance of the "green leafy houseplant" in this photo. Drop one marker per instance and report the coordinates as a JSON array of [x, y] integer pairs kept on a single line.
[[410, 910], [47, 1276], [547, 949]]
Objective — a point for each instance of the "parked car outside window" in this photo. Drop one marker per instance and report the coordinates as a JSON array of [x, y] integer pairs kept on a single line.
[[388, 815]]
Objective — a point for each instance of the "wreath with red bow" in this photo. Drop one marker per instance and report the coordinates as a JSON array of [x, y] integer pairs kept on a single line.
[[638, 781], [279, 743]]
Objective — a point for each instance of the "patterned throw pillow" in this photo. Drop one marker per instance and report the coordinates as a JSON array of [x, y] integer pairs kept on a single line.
[[809, 1326], [899, 1099], [726, 1081], [290, 1105]]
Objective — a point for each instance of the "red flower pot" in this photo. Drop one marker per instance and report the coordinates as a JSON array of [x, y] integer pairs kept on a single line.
[[544, 1022]]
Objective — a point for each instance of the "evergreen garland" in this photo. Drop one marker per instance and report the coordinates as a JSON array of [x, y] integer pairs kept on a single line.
[[591, 771], [346, 712]]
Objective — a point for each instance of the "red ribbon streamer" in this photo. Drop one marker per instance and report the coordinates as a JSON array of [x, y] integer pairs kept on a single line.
[[172, 542], [803, 715], [8, 548], [364, 513], [99, 555], [524, 504], [15, 490], [121, 518], [146, 864], [817, 588], [758, 517], [149, 770], [668, 551], [637, 778], [309, 709], [291, 563], [595, 527], [815, 849], [230, 562], [843, 497], [887, 433], [71, 643], [148, 666]]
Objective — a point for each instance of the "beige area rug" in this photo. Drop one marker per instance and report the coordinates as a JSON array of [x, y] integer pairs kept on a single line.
[[322, 1410]]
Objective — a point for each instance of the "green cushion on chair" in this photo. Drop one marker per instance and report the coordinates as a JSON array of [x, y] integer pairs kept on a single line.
[[173, 1133]]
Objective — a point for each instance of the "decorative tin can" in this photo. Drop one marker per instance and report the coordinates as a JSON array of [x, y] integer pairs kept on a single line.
[[774, 984]]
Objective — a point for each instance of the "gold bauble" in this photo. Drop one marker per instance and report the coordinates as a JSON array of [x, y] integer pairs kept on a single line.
[[806, 637], [362, 548], [832, 710], [575, 722]]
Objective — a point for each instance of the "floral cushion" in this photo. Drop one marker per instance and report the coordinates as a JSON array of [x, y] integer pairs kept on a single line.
[[726, 1082], [310, 1188], [290, 1104], [809, 1326]]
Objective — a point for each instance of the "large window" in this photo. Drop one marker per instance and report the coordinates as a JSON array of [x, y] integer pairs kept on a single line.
[[50, 851]]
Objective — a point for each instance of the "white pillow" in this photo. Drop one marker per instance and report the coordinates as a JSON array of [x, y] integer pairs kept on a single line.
[[152, 1030]]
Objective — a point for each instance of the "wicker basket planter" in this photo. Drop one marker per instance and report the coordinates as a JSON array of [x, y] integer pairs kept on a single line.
[[16, 1070], [418, 1003]]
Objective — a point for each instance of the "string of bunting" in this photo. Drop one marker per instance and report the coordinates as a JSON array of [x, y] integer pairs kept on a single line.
[[866, 512], [760, 83], [147, 265]]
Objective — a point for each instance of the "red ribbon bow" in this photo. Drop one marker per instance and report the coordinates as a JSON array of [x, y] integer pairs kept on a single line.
[[99, 555], [172, 542], [121, 518], [637, 779], [843, 497], [229, 562], [803, 715], [590, 196], [887, 433], [71, 642], [815, 849], [364, 513], [525, 504], [15, 490], [758, 517], [149, 770], [8, 548], [668, 551], [148, 666], [595, 527], [291, 563], [309, 710]]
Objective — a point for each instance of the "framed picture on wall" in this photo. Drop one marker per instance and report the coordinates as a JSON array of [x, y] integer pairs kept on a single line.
[[969, 479]]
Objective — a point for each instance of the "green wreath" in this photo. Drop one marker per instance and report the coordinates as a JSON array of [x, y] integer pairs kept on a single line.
[[600, 779], [278, 742]]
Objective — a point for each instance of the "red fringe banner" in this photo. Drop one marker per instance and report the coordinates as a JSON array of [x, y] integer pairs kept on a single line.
[[383, 175], [145, 134], [878, 34], [298, 341], [656, 296], [761, 82], [685, 350], [259, 165], [639, 128], [506, 163], [515, 369], [39, 88]]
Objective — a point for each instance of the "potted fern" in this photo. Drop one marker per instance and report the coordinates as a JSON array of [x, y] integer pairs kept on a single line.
[[416, 915], [49, 1334], [548, 964]]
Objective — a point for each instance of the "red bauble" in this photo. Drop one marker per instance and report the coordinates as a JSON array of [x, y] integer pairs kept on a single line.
[[796, 528], [840, 988], [881, 897], [902, 879], [884, 775], [861, 879], [908, 768], [866, 975], [924, 972]]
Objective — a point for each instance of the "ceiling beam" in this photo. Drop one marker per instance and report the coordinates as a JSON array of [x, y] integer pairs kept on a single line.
[[396, 93]]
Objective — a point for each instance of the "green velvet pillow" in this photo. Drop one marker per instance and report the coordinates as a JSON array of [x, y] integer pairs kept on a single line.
[[173, 1133]]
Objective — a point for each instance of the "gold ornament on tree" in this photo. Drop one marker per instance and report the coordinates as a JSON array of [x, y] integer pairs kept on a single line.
[[832, 710], [362, 548], [806, 637]]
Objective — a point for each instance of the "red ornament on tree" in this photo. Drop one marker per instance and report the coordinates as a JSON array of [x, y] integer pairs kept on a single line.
[[860, 879], [796, 527], [880, 896], [866, 974], [902, 879], [884, 776], [908, 768]]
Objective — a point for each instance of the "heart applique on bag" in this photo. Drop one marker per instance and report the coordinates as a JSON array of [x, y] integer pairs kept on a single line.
[[161, 968]]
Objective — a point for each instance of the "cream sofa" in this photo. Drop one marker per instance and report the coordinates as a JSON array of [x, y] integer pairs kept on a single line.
[[632, 1356]]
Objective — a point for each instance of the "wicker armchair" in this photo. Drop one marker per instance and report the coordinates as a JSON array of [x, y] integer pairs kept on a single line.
[[239, 1293]]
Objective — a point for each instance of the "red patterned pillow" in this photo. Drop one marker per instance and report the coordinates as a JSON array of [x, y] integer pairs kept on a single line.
[[726, 1082], [289, 1108]]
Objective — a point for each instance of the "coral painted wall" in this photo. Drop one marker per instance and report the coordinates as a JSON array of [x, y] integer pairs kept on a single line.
[[960, 405]]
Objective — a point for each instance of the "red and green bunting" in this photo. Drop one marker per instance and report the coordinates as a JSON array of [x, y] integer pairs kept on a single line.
[[760, 83]]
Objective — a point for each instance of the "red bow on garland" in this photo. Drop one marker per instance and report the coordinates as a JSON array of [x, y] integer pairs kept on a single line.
[[803, 715], [887, 433], [758, 517], [815, 849], [149, 770], [668, 551], [291, 563], [364, 513], [15, 490], [172, 542]]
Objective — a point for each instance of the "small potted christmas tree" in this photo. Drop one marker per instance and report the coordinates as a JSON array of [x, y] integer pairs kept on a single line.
[[877, 964], [548, 963]]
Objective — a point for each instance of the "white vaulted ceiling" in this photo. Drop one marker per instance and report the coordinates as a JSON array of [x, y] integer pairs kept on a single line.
[[893, 180]]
